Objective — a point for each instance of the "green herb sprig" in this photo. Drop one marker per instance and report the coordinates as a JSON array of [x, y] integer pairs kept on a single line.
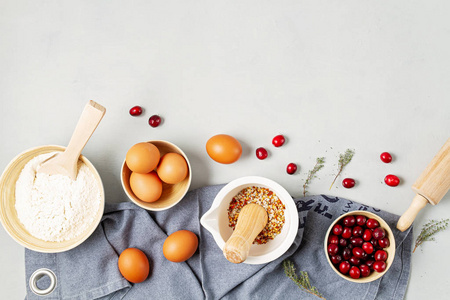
[[344, 159], [429, 230], [303, 281], [320, 161]]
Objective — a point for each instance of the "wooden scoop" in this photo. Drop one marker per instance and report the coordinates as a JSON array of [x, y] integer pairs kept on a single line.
[[252, 220], [430, 187], [65, 163]]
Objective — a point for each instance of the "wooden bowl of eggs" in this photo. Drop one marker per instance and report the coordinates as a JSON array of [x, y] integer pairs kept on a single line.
[[156, 175]]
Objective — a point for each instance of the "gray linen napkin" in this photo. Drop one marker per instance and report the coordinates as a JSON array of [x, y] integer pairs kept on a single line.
[[90, 270]]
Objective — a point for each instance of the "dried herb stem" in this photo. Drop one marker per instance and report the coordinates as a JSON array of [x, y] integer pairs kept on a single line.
[[344, 159], [312, 173], [429, 230], [303, 281]]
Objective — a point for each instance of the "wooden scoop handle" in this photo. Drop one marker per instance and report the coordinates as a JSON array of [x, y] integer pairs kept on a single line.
[[252, 220]]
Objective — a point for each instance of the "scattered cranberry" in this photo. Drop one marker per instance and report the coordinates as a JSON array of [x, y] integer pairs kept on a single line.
[[391, 180], [378, 233], [372, 223], [358, 252], [355, 273], [357, 231], [383, 243], [136, 111], [379, 266], [154, 121], [336, 259], [344, 267], [349, 221], [361, 220], [291, 168], [278, 141], [386, 157], [367, 235], [333, 239], [346, 232], [365, 270], [380, 255], [333, 249], [367, 247], [348, 183], [346, 253], [261, 153]]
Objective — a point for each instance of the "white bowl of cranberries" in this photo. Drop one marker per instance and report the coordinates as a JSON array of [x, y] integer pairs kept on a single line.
[[360, 246]]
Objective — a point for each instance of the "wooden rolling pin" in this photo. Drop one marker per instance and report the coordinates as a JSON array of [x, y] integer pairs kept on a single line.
[[251, 221], [430, 187]]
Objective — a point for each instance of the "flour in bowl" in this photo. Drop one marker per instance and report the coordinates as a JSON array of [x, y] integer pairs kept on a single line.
[[54, 207]]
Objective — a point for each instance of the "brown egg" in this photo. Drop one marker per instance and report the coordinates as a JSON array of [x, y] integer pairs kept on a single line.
[[147, 187], [172, 168], [180, 245], [224, 149], [142, 157], [133, 265]]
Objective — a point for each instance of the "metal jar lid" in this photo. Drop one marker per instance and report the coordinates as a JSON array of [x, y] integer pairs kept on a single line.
[[39, 274]]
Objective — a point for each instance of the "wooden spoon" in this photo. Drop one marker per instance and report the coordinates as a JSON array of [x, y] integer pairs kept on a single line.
[[65, 163], [251, 221]]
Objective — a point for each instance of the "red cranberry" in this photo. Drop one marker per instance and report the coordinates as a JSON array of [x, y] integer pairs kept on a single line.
[[349, 221], [136, 111], [278, 141], [348, 183], [379, 266], [357, 231], [375, 244], [365, 270], [369, 263], [354, 273], [386, 157], [372, 223], [384, 242], [291, 168], [346, 232], [344, 267], [337, 229], [361, 220], [154, 121], [343, 242], [354, 261], [333, 239], [367, 235], [378, 233], [358, 252], [367, 247], [336, 259], [333, 249], [380, 255], [261, 153], [391, 180], [346, 254], [356, 241]]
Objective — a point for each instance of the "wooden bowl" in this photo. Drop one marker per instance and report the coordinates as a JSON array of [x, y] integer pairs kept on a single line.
[[171, 193], [390, 250], [8, 214]]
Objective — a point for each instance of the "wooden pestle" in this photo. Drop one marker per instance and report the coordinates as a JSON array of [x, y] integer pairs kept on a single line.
[[430, 187], [251, 221]]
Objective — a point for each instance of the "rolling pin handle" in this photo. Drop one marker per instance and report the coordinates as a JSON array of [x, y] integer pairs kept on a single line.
[[410, 214]]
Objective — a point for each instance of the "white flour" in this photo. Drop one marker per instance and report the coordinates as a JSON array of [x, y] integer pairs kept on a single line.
[[54, 207]]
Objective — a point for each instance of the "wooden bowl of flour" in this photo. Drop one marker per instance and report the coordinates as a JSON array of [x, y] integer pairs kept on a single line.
[[8, 213]]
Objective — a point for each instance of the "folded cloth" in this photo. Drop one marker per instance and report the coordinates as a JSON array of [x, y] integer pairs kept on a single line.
[[90, 270]]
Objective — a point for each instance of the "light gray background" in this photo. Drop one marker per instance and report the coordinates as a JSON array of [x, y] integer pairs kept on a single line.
[[329, 75]]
